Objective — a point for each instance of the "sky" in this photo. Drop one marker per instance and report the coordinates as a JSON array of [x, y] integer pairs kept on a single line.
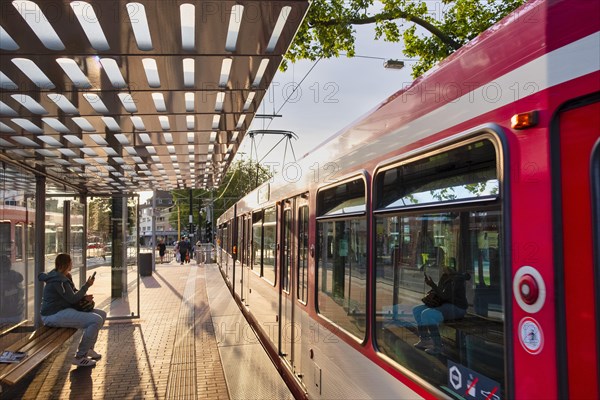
[[332, 95]]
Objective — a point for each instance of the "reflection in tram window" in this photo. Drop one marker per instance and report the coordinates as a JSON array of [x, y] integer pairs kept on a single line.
[[465, 238], [342, 256]]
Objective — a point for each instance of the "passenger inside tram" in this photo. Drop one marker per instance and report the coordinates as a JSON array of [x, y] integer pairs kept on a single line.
[[447, 300]]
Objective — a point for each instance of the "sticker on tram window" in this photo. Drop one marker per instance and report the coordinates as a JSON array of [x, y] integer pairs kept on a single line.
[[468, 384], [530, 335]]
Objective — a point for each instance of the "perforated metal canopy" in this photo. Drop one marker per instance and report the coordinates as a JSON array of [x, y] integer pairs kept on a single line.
[[113, 96]]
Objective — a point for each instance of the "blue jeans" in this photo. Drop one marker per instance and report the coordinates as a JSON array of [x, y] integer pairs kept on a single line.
[[428, 319], [90, 322]]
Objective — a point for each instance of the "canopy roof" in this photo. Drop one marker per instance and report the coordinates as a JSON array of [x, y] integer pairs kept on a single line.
[[113, 96]]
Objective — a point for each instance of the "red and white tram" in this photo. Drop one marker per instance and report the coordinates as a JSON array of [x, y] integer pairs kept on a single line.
[[489, 165]]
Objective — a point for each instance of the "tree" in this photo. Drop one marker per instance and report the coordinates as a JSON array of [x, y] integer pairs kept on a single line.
[[99, 212], [428, 34], [241, 178]]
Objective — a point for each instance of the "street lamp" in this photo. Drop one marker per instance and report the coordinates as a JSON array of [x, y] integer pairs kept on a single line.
[[393, 64]]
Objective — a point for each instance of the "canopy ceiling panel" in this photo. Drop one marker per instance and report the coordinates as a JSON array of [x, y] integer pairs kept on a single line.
[[116, 96]]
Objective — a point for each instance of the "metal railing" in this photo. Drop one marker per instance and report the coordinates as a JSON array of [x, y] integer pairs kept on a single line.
[[205, 253]]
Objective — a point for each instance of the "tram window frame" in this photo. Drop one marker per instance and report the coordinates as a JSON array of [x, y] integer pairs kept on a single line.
[[286, 253], [303, 252], [395, 328], [339, 205]]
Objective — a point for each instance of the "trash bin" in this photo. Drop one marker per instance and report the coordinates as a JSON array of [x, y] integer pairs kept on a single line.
[[145, 264]]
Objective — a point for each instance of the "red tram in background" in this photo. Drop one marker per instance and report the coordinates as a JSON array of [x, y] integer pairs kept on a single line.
[[488, 165]]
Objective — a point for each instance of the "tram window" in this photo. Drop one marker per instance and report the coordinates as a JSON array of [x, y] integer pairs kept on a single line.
[[257, 219], [248, 242], [303, 254], [346, 198], [287, 250], [462, 173], [342, 256], [459, 244], [269, 245], [240, 240]]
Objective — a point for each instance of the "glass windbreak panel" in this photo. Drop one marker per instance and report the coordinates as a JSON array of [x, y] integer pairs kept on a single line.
[[303, 254], [19, 235], [466, 172], [75, 238], [346, 198], [257, 242], [99, 239], [17, 241], [287, 250], [54, 228], [112, 253], [269, 245], [342, 273], [6, 240], [460, 251]]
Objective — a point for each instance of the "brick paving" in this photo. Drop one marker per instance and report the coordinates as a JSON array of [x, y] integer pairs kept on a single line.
[[146, 358]]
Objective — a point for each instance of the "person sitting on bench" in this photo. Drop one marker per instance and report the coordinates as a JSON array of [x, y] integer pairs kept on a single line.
[[58, 309], [447, 300]]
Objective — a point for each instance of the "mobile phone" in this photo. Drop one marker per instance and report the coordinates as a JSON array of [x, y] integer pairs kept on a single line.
[[94, 275]]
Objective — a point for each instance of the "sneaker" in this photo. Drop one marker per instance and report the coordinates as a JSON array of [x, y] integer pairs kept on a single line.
[[434, 351], [93, 355], [83, 362], [424, 344]]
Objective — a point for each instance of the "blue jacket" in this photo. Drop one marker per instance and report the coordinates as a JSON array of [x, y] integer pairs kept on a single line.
[[59, 292]]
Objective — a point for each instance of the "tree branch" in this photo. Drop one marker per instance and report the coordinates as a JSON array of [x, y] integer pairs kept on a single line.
[[390, 16]]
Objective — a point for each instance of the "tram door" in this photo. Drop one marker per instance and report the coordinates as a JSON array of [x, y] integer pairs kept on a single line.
[[247, 257], [292, 278], [579, 142], [286, 311]]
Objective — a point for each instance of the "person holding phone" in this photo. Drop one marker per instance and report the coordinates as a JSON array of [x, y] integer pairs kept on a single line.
[[447, 300], [58, 301]]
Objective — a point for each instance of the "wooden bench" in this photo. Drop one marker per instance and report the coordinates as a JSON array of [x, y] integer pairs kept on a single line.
[[9, 327], [38, 346]]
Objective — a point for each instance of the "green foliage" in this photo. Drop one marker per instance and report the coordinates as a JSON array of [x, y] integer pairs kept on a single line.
[[444, 27], [99, 212], [241, 178], [100, 217]]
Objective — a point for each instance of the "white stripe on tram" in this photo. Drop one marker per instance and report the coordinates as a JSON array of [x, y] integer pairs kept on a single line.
[[561, 65]]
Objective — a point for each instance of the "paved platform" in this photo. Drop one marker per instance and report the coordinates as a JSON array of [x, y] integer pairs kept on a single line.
[[190, 342]]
